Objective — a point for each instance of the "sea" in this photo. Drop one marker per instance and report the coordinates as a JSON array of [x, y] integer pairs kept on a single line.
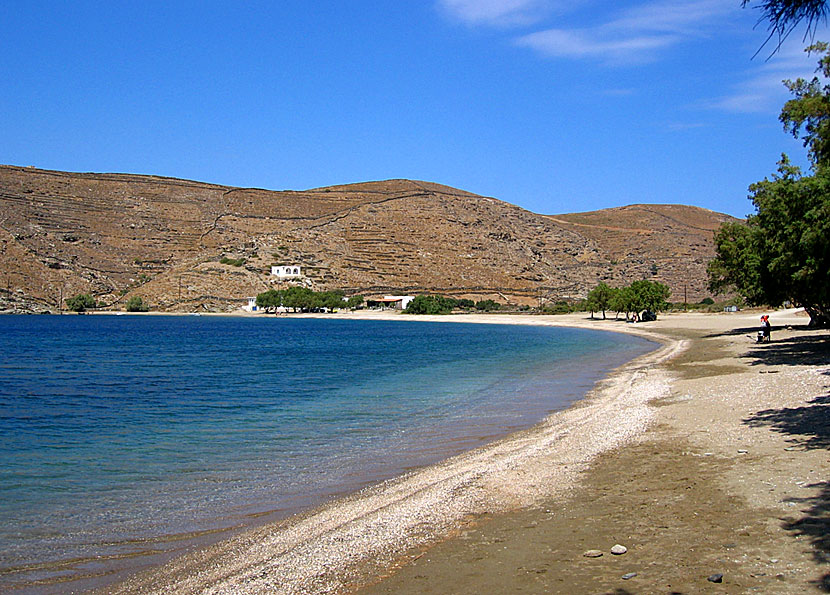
[[125, 439]]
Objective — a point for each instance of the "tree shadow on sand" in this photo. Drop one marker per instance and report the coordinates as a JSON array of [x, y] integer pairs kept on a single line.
[[798, 350], [815, 527], [809, 428]]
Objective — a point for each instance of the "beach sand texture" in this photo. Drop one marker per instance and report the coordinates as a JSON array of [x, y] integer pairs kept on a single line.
[[707, 456]]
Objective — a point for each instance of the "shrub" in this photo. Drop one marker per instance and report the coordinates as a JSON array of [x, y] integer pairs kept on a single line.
[[560, 307], [430, 304], [237, 262], [354, 302], [80, 302], [136, 304], [487, 305]]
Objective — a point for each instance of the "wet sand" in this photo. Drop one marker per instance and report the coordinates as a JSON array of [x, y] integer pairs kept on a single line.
[[696, 457]]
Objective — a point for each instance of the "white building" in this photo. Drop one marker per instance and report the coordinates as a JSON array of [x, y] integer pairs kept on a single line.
[[286, 271], [399, 302], [251, 307]]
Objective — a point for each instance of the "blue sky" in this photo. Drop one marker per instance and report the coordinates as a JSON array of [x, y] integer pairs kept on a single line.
[[555, 106]]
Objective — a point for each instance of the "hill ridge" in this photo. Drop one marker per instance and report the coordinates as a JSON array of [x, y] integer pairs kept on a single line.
[[118, 235]]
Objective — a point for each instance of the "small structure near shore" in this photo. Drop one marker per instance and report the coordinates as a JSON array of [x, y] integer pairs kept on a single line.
[[396, 302]]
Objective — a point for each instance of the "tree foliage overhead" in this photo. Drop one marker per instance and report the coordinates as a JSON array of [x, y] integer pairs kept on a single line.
[[808, 113], [785, 15], [782, 253]]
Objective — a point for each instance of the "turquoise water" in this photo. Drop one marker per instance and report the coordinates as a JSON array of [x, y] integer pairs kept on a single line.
[[117, 432]]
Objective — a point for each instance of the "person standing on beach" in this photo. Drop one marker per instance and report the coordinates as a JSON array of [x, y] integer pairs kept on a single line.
[[767, 328]]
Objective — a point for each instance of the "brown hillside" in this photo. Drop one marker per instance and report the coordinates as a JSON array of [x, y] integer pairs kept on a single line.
[[675, 242], [118, 235]]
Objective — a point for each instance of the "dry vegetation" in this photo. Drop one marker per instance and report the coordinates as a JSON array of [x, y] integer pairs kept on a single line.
[[117, 235]]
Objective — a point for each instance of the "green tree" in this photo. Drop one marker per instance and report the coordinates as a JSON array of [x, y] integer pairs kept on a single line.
[[487, 305], [332, 300], [650, 295], [599, 299], [269, 300], [560, 307], [298, 298], [354, 302], [136, 304], [782, 253], [737, 264], [624, 301], [80, 302], [430, 304], [808, 113]]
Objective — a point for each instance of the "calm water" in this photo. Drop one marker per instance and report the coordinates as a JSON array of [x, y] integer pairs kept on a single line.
[[118, 432]]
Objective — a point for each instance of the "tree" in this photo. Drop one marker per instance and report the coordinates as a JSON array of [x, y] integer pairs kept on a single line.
[[430, 304], [737, 264], [136, 304], [354, 302], [650, 295], [80, 302], [298, 298], [785, 15], [487, 305], [623, 300], [269, 300], [782, 253], [331, 300], [808, 113], [599, 299]]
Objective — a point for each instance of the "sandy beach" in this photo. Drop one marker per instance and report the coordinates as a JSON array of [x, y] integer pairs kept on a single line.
[[705, 457]]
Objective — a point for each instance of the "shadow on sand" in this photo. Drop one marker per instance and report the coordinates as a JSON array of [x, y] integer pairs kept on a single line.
[[815, 527], [807, 427], [807, 348]]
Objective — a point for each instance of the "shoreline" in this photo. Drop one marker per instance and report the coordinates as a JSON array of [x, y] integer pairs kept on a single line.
[[726, 490], [343, 544]]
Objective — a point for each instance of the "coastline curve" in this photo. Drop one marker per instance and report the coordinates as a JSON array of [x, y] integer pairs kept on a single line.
[[345, 543]]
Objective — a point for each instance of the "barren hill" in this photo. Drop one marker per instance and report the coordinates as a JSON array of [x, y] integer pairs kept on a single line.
[[117, 235]]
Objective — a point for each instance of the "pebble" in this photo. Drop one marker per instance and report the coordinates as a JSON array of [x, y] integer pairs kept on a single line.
[[629, 575], [742, 451], [592, 554], [715, 578], [619, 550]]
